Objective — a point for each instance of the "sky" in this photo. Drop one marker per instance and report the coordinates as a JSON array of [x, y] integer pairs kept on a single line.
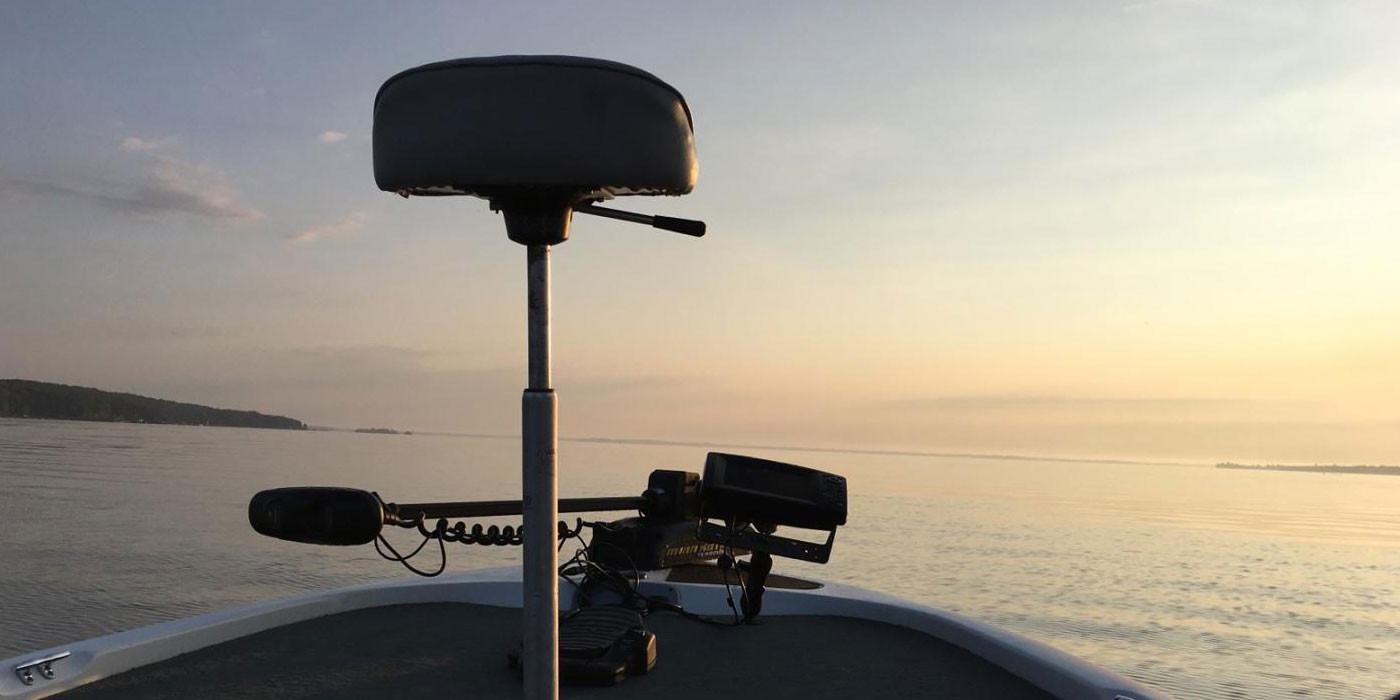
[[1159, 230]]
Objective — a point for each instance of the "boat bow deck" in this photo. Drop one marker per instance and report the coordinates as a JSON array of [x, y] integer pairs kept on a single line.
[[451, 635], [459, 650]]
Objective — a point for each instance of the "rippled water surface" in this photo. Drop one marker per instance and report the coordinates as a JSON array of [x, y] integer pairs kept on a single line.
[[1207, 583]]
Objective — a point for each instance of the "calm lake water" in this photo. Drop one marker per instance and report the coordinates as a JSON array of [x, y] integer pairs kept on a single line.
[[1207, 583]]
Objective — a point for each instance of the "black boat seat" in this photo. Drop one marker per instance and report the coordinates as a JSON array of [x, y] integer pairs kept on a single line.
[[501, 125]]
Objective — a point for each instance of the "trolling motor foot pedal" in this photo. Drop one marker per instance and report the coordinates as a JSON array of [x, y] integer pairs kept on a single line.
[[601, 646]]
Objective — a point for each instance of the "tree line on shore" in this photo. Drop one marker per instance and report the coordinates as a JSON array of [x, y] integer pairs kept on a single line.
[[22, 398]]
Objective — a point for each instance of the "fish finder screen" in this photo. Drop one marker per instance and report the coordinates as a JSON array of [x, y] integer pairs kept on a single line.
[[758, 490]]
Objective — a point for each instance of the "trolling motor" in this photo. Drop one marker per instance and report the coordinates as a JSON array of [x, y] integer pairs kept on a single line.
[[751, 497], [600, 645]]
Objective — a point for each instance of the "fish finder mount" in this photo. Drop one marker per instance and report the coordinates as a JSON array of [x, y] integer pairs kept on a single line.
[[751, 497], [741, 491]]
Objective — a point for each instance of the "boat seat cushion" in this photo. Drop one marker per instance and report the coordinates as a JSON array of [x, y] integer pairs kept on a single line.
[[484, 126]]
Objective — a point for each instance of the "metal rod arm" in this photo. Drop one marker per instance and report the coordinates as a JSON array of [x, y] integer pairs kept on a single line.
[[689, 227], [487, 509]]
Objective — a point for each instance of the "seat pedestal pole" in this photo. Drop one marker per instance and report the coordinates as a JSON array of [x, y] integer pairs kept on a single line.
[[540, 489]]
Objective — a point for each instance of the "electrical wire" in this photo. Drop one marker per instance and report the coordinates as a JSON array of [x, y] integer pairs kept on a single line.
[[442, 562], [594, 576], [591, 574]]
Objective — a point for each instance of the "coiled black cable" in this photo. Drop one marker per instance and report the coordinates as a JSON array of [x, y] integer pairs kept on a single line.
[[593, 575], [460, 533]]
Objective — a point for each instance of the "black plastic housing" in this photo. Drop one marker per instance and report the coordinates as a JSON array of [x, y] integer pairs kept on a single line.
[[672, 495], [752, 490], [317, 515], [649, 545]]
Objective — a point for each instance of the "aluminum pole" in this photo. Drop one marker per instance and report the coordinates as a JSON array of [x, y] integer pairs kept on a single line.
[[540, 491]]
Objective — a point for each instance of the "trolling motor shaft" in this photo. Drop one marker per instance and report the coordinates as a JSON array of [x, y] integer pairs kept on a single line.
[[330, 515], [751, 496]]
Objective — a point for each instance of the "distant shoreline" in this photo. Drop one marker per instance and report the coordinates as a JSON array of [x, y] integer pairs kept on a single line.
[[36, 419], [23, 398], [1320, 468]]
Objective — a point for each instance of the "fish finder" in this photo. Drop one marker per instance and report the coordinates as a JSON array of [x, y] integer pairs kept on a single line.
[[753, 496], [754, 490]]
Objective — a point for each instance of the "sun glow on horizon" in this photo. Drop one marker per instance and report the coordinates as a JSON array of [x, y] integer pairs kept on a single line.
[[1159, 231]]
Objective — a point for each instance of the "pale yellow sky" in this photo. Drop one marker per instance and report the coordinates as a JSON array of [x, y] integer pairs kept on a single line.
[[1160, 230]]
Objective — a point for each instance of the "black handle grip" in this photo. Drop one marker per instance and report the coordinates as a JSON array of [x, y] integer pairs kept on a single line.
[[689, 227]]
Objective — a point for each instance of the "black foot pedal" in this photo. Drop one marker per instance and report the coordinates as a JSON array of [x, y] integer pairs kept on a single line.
[[601, 646]]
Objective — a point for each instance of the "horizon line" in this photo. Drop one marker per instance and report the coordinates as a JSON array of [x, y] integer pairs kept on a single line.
[[836, 450]]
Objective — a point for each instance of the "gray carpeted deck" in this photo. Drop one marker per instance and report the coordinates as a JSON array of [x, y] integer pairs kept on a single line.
[[447, 650]]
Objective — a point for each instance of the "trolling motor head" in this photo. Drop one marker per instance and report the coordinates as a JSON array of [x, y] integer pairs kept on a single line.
[[538, 136], [317, 515]]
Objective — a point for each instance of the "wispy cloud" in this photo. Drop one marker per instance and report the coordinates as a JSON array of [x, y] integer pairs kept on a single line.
[[160, 184], [197, 189], [1158, 4], [136, 144], [1030, 409], [1043, 402], [340, 227], [332, 136], [1274, 13]]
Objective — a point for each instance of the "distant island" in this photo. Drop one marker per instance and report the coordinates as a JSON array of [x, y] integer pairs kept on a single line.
[[383, 431], [21, 398], [1326, 468]]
